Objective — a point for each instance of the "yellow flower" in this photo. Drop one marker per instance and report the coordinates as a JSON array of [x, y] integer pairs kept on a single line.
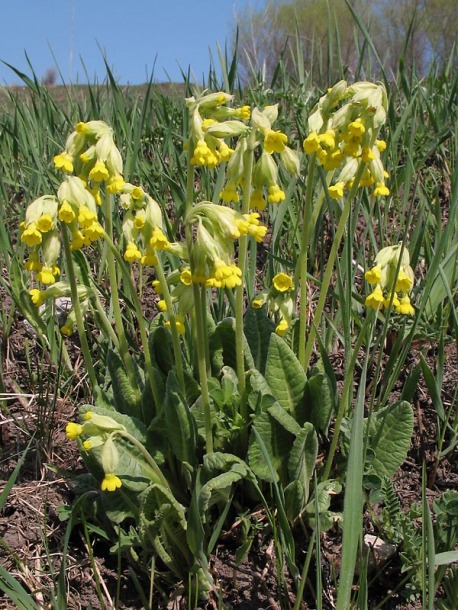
[[229, 193], [158, 240], [282, 282], [381, 145], [99, 172], [157, 286], [367, 155], [274, 141], [66, 330], [244, 113], [162, 305], [86, 217], [132, 253], [404, 282], [337, 191], [185, 277], [138, 193], [73, 430], [356, 128], [396, 302], [45, 223], [64, 162], [375, 299], [381, 190], [281, 328], [257, 303], [115, 184], [37, 296], [374, 275], [94, 231], [46, 275], [311, 143], [33, 262], [111, 482], [276, 195], [203, 155], [31, 236], [405, 307], [257, 200], [66, 212]]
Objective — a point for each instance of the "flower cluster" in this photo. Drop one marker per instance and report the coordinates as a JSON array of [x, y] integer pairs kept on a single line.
[[216, 229], [211, 122], [91, 154], [100, 432], [265, 187], [392, 278], [142, 226], [279, 301], [343, 130]]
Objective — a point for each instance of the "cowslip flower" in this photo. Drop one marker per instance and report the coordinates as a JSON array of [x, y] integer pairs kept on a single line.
[[281, 327], [392, 278], [282, 282], [274, 141], [110, 482]]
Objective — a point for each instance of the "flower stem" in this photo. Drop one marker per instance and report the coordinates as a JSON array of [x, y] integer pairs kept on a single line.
[[199, 304], [77, 309], [113, 276], [140, 320], [173, 329], [240, 290], [302, 267], [330, 267]]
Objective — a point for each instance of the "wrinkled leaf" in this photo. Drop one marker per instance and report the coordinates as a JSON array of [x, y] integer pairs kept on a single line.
[[284, 374], [389, 438], [258, 328]]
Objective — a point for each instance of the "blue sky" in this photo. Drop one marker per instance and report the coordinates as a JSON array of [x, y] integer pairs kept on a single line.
[[136, 36]]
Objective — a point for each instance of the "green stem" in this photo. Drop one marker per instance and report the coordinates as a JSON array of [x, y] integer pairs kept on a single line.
[[240, 290], [302, 268], [199, 303], [77, 309], [140, 320], [199, 306], [330, 267], [113, 276], [172, 318], [148, 458], [346, 391]]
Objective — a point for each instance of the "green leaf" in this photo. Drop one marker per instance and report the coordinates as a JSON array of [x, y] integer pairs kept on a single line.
[[284, 374], [433, 389], [15, 591], [444, 283], [390, 432], [302, 459], [324, 493], [161, 349], [318, 402], [277, 429], [446, 558], [180, 424], [233, 470], [258, 328], [163, 526], [124, 396], [222, 342]]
